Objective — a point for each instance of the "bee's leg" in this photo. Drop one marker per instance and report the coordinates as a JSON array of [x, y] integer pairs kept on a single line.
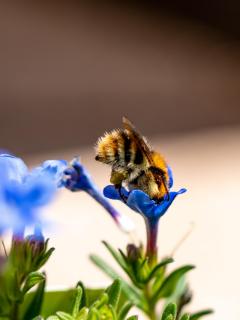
[[122, 196]]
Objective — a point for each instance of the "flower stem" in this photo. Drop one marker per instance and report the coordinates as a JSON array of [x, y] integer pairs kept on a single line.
[[152, 233], [14, 313], [151, 307]]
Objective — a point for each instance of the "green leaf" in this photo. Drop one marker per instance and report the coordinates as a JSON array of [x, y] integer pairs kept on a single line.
[[114, 293], [186, 316], [133, 295], [64, 316], [93, 314], [101, 301], [83, 313], [77, 302], [32, 279], [200, 314], [133, 318], [84, 300], [34, 306], [54, 301], [53, 318], [43, 259], [118, 257], [170, 282], [156, 269], [124, 310], [170, 310]]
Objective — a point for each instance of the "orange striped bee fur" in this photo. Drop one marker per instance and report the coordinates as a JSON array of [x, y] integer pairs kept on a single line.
[[133, 162]]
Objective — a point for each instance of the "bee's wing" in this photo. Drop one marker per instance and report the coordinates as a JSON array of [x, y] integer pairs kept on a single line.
[[138, 138]]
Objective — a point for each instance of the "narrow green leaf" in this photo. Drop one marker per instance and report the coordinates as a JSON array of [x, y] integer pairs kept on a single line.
[[124, 310], [170, 310], [170, 282], [158, 267], [45, 257], [83, 313], [53, 318], [101, 302], [113, 312], [93, 314], [133, 318], [84, 299], [32, 279], [200, 314], [186, 316], [170, 317], [64, 316], [34, 307], [77, 301], [133, 295], [114, 293], [116, 256]]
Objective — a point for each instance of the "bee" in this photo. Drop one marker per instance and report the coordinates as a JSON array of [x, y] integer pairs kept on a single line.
[[134, 164]]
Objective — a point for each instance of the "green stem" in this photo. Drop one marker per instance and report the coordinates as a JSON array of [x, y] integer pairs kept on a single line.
[[14, 312], [151, 306], [152, 233]]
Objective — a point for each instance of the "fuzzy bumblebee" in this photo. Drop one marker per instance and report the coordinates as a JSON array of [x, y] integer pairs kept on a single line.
[[133, 162]]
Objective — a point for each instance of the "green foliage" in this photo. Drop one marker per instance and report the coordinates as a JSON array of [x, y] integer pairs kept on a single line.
[[150, 282], [20, 273], [33, 308], [106, 306], [169, 312], [199, 315]]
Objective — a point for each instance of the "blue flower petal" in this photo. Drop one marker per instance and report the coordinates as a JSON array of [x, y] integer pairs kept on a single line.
[[112, 193], [39, 191], [78, 178], [22, 194], [52, 168], [12, 168], [170, 174], [140, 202], [165, 204]]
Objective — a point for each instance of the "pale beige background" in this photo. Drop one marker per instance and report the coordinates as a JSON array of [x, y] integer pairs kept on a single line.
[[207, 164]]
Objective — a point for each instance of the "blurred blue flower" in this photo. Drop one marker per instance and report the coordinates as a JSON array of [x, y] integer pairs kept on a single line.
[[78, 179], [24, 192], [54, 168]]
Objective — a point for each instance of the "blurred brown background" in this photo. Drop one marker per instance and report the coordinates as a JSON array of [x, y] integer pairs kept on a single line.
[[71, 68]]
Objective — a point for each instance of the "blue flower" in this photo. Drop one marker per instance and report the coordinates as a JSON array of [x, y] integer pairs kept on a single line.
[[54, 168], [78, 179], [140, 202], [151, 210], [23, 193]]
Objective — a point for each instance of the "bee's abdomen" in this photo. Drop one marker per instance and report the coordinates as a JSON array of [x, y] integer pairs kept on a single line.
[[117, 147]]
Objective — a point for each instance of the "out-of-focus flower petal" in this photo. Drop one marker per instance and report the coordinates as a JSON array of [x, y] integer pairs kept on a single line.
[[22, 194], [53, 168], [12, 168]]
